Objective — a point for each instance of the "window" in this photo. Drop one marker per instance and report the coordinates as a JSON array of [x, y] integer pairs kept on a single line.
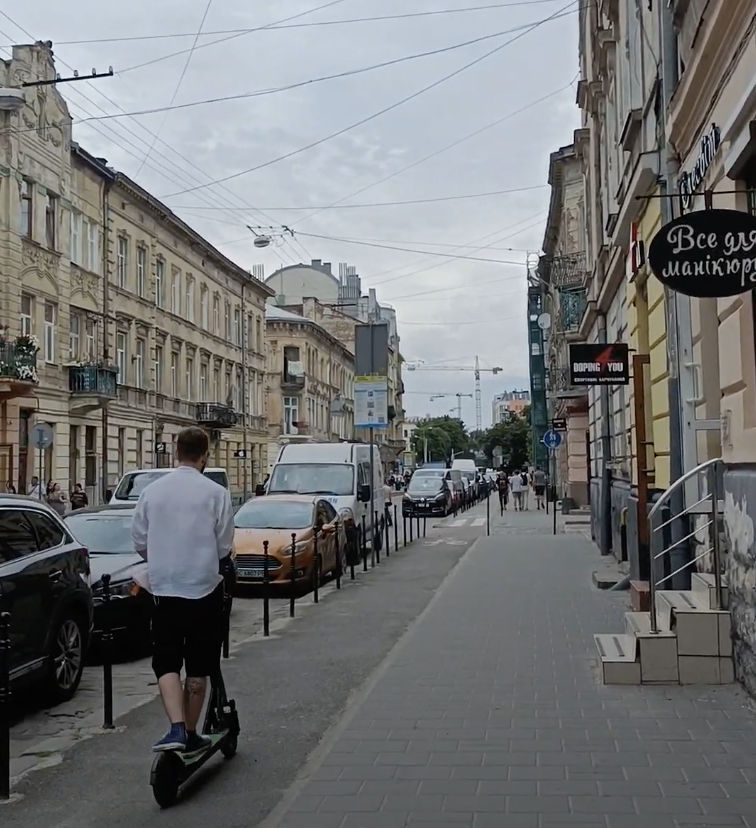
[[216, 315], [216, 385], [259, 336], [190, 299], [76, 249], [121, 352], [141, 271], [16, 536], [92, 258], [203, 382], [74, 337], [204, 310], [49, 533], [121, 451], [51, 221], [237, 327], [122, 262], [27, 315], [139, 364], [174, 374], [139, 449], [49, 343], [291, 414], [91, 338], [189, 379], [159, 283], [239, 390], [159, 369], [27, 209], [228, 321], [175, 291]]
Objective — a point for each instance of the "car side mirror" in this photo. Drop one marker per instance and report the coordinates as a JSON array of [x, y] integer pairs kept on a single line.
[[364, 493], [259, 490], [108, 496]]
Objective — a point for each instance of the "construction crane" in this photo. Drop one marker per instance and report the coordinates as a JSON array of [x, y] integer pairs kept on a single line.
[[421, 366], [459, 402]]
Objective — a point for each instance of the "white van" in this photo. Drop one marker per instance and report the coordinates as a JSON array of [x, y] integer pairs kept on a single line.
[[340, 472], [133, 483], [470, 471]]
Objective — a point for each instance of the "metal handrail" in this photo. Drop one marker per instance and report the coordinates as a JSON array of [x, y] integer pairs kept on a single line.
[[710, 467]]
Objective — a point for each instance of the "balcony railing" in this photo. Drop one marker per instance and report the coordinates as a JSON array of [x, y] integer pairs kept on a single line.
[[215, 415], [100, 381], [292, 382], [18, 362], [571, 309]]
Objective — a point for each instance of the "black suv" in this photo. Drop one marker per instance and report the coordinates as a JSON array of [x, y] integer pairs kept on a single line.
[[45, 586]]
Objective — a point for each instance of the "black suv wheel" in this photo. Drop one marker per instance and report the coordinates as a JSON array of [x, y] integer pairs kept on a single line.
[[67, 650]]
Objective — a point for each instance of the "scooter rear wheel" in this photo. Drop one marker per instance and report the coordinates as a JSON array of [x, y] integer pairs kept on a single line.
[[231, 742], [165, 779]]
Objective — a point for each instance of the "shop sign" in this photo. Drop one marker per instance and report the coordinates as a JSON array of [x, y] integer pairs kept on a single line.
[[599, 364], [708, 254], [690, 181]]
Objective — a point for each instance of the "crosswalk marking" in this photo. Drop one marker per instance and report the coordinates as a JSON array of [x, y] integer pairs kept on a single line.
[[460, 522], [478, 522]]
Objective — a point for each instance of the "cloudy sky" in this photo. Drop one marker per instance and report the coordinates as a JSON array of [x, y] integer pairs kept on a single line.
[[495, 113]]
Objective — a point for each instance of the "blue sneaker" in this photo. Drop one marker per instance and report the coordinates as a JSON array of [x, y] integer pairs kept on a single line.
[[175, 739], [196, 744]]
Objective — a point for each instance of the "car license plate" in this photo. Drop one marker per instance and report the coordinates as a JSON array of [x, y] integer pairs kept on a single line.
[[246, 572]]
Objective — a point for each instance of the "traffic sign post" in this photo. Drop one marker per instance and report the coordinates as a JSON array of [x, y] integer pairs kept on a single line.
[[41, 438], [552, 440]]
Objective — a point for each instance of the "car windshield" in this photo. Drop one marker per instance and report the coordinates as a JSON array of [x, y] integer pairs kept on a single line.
[[218, 477], [103, 533], [132, 486], [312, 478], [468, 475], [426, 483], [264, 513]]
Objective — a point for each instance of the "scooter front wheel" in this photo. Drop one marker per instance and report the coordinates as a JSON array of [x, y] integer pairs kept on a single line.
[[165, 779]]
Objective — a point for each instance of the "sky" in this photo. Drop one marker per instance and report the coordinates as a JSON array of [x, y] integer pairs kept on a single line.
[[484, 198]]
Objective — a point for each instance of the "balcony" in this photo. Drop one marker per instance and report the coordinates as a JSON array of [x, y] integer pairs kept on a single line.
[[18, 370], [91, 387], [215, 415], [572, 305], [292, 382]]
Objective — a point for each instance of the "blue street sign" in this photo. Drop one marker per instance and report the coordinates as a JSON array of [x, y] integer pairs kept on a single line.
[[552, 440]]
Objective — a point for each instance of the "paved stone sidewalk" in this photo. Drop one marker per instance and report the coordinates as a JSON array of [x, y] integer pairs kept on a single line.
[[490, 714]]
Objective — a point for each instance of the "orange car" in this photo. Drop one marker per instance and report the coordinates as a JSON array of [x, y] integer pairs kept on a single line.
[[275, 518]]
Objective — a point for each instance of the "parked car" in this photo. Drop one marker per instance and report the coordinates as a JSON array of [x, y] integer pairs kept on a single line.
[[133, 483], [275, 518], [45, 586], [428, 493], [106, 532]]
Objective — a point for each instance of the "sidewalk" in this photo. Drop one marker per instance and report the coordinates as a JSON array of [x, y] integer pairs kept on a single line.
[[490, 714]]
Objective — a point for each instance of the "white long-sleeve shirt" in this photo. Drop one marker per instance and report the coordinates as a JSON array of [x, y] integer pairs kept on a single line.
[[183, 525]]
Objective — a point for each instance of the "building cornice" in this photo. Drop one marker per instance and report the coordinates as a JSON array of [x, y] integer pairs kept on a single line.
[[320, 332]]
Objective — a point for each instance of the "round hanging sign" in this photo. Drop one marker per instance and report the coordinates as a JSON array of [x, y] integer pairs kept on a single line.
[[708, 254]]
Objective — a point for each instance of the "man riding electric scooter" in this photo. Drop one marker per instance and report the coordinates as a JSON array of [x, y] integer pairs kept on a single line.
[[183, 527]]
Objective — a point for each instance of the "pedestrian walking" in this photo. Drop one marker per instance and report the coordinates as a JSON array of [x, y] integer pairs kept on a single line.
[[526, 484], [502, 485], [79, 499], [539, 486], [387, 495], [36, 490], [56, 499], [515, 486]]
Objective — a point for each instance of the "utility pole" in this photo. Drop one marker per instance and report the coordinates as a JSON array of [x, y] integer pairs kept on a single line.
[[677, 308], [245, 391]]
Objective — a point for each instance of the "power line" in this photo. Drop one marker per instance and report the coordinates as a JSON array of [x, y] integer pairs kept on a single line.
[[387, 203], [178, 85], [382, 111], [273, 27]]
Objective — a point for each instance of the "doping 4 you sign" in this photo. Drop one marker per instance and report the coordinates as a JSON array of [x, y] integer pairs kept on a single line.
[[708, 254]]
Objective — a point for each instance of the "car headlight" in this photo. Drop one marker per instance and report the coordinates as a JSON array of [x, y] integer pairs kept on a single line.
[[120, 589], [300, 547]]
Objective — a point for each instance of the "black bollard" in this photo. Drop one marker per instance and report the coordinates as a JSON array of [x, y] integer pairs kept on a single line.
[[377, 534], [107, 654], [404, 528], [488, 513], [293, 576], [337, 545], [5, 693], [352, 559], [266, 591], [425, 525], [364, 546], [410, 525], [396, 532], [388, 534], [317, 568]]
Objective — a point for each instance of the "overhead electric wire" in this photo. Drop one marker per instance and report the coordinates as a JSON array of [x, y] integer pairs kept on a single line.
[[269, 28], [387, 203], [383, 111], [178, 85]]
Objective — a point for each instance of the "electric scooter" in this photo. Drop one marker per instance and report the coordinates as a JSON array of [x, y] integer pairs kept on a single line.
[[171, 769]]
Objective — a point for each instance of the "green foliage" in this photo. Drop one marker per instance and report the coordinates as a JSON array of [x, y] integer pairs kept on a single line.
[[444, 435], [513, 435]]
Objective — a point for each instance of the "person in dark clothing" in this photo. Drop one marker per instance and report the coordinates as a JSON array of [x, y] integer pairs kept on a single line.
[[79, 499]]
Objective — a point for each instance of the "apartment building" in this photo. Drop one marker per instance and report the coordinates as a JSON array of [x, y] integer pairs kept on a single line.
[[310, 383], [143, 327]]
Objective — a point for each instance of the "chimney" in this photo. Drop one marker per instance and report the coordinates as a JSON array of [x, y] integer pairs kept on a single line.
[[318, 263], [327, 266]]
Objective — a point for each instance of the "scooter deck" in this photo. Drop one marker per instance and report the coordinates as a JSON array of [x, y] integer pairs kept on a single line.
[[215, 741]]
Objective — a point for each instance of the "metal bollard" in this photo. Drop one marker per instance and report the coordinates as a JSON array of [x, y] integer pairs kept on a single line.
[[364, 546], [425, 525], [266, 591], [418, 527], [488, 513], [293, 576], [339, 573], [5, 694], [396, 532], [410, 525], [317, 570], [376, 534], [352, 559], [107, 654], [388, 534], [404, 528]]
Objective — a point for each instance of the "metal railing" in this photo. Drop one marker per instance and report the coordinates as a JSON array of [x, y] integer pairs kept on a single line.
[[711, 469]]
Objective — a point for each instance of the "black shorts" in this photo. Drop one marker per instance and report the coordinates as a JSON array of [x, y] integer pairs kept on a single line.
[[188, 632], [539, 490]]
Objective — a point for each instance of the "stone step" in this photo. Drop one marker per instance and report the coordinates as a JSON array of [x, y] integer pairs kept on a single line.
[[618, 654], [657, 652], [700, 631], [703, 587]]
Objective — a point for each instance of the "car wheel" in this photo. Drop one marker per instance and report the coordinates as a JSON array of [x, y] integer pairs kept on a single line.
[[66, 659]]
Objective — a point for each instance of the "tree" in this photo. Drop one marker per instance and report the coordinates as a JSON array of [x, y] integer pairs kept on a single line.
[[513, 435], [444, 435]]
